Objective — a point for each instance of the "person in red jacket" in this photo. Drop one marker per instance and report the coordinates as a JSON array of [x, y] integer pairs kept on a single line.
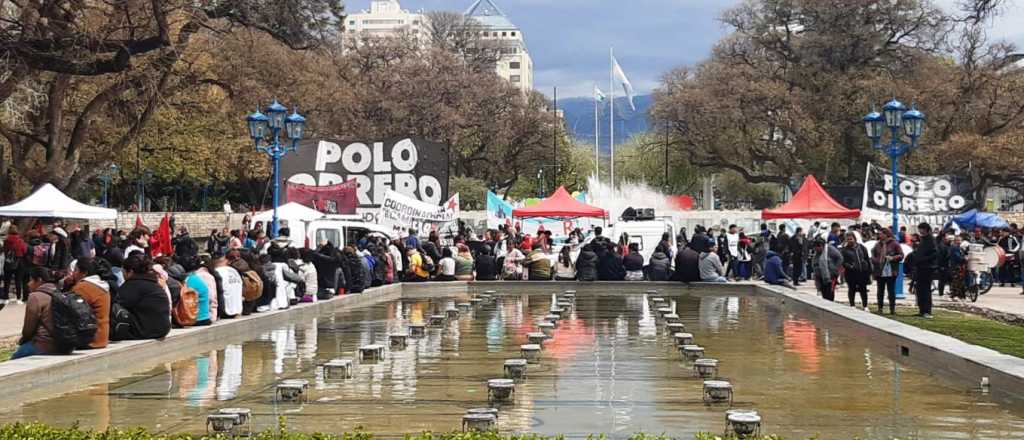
[[15, 266]]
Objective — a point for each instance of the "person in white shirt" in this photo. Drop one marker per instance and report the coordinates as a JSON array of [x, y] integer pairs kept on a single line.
[[231, 282], [446, 267], [309, 276], [733, 239], [139, 239], [396, 258]]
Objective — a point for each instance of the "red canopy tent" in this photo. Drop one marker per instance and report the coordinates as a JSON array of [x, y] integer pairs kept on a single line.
[[811, 202], [560, 205]]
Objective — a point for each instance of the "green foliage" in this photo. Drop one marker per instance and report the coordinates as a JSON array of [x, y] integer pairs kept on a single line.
[[472, 192]]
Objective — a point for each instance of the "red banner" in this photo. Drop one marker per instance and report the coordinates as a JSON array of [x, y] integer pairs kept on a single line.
[[332, 199]]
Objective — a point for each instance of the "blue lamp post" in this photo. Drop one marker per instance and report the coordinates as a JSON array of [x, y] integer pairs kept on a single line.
[[107, 177], [265, 131], [896, 117]]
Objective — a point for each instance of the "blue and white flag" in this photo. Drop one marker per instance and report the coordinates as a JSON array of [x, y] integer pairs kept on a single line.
[[626, 85], [599, 95]]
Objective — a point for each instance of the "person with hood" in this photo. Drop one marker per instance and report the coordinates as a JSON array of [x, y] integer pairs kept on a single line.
[[16, 266], [538, 264], [609, 263], [774, 273], [369, 263], [885, 261], [355, 276], [285, 279], [565, 270], [485, 265], [634, 263], [711, 268], [660, 266], [310, 276], [37, 332], [586, 263], [827, 262], [687, 265], [144, 299], [857, 270], [89, 281]]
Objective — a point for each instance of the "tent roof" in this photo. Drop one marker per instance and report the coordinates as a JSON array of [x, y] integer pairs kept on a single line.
[[975, 219], [48, 201], [811, 202], [290, 211], [560, 205]]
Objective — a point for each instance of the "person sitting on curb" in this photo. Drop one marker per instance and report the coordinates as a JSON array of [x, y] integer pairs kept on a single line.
[[37, 329], [773, 272]]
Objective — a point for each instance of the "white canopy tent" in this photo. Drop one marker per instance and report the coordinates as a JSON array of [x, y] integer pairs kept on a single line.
[[49, 201], [291, 212]]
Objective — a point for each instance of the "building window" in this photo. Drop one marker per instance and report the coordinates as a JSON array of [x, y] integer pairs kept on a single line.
[[514, 65], [504, 34], [514, 78], [383, 21], [351, 22]]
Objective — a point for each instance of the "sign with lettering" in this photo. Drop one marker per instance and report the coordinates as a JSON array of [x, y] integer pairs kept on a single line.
[[402, 213], [413, 167], [931, 199]]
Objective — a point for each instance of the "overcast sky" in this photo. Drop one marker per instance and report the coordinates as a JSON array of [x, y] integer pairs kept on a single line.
[[569, 39]]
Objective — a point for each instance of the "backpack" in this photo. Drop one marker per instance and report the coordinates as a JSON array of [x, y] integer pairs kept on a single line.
[[11, 261], [187, 309], [428, 264], [252, 286], [74, 322], [40, 253], [120, 323]]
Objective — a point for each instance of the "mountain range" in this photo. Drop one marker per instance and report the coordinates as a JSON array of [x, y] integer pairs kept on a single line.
[[579, 119]]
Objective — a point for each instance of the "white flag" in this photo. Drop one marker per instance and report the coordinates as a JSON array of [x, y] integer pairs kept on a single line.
[[626, 85], [599, 95]]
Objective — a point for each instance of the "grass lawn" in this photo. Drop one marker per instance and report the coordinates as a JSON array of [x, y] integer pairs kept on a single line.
[[972, 329], [5, 353]]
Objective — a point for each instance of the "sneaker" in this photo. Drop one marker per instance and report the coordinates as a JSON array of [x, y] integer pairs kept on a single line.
[[927, 316], [263, 309], [866, 309]]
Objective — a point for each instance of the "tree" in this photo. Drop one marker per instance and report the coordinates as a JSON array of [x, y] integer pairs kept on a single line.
[[104, 69], [463, 36], [784, 94]]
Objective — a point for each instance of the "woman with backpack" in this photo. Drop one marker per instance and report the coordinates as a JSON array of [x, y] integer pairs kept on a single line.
[[91, 281], [37, 332], [144, 299]]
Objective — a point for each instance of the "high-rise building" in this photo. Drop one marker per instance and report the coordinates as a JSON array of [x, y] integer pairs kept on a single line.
[[515, 64], [386, 18]]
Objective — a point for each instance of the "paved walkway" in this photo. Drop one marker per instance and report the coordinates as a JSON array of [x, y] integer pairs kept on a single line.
[[11, 318], [1000, 299]]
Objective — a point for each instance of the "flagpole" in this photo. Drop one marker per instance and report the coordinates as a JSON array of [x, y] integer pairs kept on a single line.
[[597, 140], [611, 131]]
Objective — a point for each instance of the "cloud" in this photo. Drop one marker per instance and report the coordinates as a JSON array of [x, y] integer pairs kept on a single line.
[[569, 39]]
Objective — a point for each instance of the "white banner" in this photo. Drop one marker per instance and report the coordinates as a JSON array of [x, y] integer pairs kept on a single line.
[[401, 213]]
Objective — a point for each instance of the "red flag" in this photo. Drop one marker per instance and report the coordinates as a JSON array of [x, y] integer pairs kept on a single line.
[[138, 222], [163, 238], [333, 199]]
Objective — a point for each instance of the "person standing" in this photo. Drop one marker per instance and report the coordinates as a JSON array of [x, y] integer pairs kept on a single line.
[[797, 255], [942, 263], [924, 264], [732, 241], [827, 262], [857, 265], [15, 266], [886, 261], [780, 245]]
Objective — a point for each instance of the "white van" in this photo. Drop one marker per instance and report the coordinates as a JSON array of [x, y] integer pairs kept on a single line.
[[645, 233], [341, 233]]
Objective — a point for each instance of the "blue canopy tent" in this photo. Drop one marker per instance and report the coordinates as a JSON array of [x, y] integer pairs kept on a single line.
[[975, 219]]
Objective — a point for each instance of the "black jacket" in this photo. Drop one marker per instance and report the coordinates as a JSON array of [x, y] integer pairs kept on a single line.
[[926, 254], [586, 265], [857, 262], [700, 243], [660, 267], [633, 262], [687, 266], [355, 274], [609, 267], [184, 246], [486, 268], [146, 300], [327, 260]]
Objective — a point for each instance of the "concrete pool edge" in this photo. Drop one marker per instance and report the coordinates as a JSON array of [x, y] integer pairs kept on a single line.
[[943, 355]]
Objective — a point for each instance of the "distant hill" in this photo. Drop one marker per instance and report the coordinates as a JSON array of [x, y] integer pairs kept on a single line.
[[579, 119]]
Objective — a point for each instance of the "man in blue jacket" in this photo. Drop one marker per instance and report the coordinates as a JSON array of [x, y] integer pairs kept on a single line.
[[773, 273]]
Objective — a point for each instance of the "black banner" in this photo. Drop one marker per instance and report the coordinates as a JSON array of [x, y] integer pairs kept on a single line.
[[931, 199], [413, 167]]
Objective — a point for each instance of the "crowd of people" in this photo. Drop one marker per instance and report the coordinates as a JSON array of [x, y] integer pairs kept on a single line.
[[138, 289]]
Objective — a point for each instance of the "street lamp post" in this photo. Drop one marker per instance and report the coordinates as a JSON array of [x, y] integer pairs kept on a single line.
[[896, 117], [106, 178], [265, 131]]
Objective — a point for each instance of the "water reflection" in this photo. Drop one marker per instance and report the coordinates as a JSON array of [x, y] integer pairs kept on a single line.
[[610, 368]]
